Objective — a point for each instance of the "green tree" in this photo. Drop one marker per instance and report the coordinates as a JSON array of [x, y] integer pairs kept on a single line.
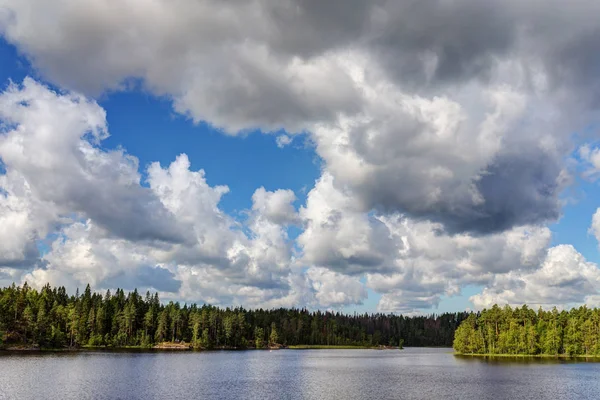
[[273, 337], [259, 334], [163, 323], [195, 321], [29, 320]]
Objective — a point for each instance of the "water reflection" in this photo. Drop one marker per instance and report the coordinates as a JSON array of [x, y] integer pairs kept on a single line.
[[526, 359], [287, 374]]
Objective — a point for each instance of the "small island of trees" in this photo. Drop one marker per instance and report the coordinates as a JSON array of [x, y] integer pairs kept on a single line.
[[524, 331], [52, 319]]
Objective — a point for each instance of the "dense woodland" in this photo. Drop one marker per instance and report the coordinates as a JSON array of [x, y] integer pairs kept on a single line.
[[523, 331], [51, 318]]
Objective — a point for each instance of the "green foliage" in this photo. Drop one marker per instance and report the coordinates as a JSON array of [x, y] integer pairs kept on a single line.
[[259, 333], [53, 319], [206, 343], [523, 331], [273, 337], [96, 340]]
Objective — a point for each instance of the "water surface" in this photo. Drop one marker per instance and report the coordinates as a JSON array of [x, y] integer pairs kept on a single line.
[[413, 373]]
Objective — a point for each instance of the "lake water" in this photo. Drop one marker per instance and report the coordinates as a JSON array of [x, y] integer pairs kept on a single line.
[[291, 374]]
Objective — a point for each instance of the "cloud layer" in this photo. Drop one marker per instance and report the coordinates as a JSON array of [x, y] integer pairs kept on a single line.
[[445, 131], [426, 109]]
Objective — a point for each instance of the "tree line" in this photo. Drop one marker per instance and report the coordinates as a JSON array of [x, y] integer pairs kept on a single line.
[[51, 318], [524, 331]]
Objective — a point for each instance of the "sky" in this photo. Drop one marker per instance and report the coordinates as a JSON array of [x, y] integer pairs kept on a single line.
[[363, 156]]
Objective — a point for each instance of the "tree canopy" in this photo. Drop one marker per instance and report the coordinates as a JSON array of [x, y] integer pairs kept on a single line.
[[524, 331], [52, 318]]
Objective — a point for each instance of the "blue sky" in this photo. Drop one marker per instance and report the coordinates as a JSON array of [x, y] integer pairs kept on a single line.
[[393, 223]]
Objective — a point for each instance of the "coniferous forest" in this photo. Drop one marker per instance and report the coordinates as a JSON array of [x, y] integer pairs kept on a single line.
[[524, 331], [52, 318]]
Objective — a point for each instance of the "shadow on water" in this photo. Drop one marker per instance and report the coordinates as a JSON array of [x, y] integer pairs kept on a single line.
[[86, 351], [523, 360]]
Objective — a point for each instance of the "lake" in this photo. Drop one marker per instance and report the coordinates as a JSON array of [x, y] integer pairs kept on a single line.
[[413, 373]]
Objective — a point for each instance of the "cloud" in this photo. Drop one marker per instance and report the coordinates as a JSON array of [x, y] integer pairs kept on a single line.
[[565, 278], [276, 206], [51, 143], [419, 44], [283, 140], [220, 246], [253, 81], [339, 236], [407, 301], [158, 278], [433, 264], [412, 263], [19, 227], [218, 263], [83, 254], [590, 160], [10, 275], [595, 227], [333, 289]]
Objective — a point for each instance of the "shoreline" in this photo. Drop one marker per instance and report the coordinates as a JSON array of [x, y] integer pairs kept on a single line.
[[340, 347], [539, 356], [180, 347]]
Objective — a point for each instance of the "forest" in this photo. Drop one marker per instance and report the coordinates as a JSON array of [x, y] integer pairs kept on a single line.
[[524, 331], [51, 318]]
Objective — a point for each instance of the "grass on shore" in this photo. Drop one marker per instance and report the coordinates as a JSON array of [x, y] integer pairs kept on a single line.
[[318, 346], [527, 355], [87, 346], [169, 345]]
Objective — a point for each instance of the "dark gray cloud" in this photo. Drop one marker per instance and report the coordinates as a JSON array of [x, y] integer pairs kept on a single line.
[[309, 27], [133, 213], [155, 278], [460, 39], [158, 278], [28, 258], [467, 38], [517, 189]]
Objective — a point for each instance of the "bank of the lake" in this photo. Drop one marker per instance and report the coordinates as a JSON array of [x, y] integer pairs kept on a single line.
[[541, 356], [332, 347], [167, 346]]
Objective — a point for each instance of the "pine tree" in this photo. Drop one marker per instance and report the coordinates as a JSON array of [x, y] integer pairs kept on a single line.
[[273, 337], [259, 334]]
